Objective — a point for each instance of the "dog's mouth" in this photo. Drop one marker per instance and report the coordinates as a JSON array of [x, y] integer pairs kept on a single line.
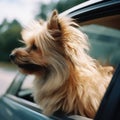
[[32, 67]]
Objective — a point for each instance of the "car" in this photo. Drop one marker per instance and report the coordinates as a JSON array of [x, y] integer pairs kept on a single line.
[[100, 20]]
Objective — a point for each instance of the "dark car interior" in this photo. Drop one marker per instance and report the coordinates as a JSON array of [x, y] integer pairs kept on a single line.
[[109, 21]]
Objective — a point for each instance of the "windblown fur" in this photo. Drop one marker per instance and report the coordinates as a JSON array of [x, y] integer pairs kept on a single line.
[[67, 78]]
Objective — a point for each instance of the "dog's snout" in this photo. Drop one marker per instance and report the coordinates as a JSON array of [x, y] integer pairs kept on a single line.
[[12, 56]]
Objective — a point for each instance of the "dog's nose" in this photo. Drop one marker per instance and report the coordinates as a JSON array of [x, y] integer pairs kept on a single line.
[[12, 56]]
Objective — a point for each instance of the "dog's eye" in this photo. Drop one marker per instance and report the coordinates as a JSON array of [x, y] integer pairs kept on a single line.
[[33, 47]]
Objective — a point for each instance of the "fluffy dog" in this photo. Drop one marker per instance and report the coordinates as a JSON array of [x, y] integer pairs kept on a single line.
[[67, 78]]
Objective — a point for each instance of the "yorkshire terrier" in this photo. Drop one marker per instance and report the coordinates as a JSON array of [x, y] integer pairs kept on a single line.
[[67, 78]]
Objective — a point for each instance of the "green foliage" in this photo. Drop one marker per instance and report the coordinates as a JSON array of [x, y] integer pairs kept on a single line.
[[9, 36], [61, 5]]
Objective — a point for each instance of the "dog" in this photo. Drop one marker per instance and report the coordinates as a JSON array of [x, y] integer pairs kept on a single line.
[[67, 77]]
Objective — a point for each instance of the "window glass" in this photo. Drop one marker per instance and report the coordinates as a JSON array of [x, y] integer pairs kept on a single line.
[[104, 41]]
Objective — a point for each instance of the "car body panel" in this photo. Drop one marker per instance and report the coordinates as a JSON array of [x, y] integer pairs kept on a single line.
[[12, 110], [93, 11]]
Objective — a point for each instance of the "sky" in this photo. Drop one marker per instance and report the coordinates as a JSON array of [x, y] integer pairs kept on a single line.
[[22, 10]]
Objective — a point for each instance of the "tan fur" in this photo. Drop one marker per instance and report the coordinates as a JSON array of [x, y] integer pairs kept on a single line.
[[68, 78]]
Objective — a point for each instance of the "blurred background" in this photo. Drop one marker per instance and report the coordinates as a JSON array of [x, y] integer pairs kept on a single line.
[[16, 14]]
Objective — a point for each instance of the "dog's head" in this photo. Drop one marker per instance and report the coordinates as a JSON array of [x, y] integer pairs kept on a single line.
[[43, 47], [53, 45]]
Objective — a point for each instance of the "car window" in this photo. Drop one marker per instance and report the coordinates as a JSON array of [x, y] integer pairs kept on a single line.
[[25, 90], [104, 37]]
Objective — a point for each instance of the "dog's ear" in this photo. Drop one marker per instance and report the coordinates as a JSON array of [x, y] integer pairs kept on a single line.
[[53, 22]]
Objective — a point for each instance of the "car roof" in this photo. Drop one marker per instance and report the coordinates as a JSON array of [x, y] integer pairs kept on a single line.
[[93, 9], [80, 6]]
